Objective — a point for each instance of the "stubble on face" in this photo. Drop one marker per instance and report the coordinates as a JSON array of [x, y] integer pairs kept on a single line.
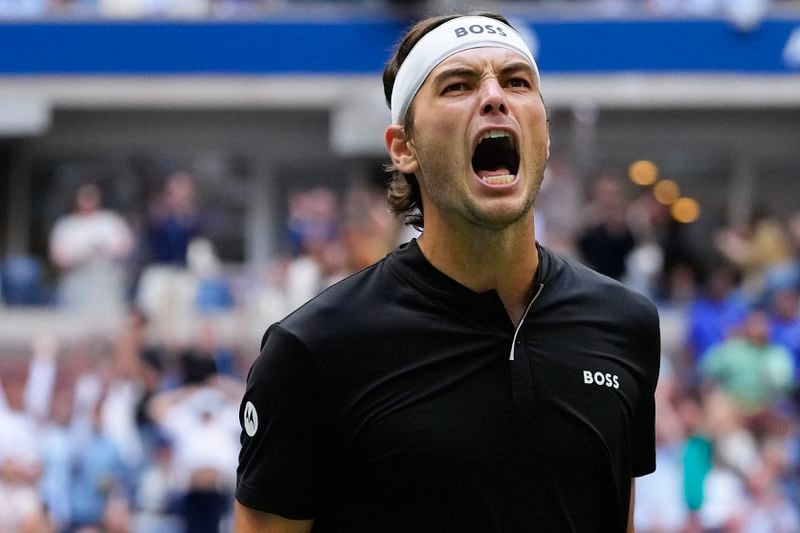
[[441, 136], [442, 180]]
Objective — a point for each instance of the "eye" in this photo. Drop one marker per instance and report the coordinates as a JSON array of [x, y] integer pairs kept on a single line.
[[455, 87], [519, 83]]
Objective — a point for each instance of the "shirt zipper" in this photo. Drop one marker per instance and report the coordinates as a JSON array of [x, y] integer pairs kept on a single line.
[[522, 320]]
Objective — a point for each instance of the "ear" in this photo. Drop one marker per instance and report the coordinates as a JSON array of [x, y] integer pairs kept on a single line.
[[400, 149]]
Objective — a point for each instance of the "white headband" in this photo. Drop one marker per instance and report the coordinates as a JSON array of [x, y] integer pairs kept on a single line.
[[456, 35]]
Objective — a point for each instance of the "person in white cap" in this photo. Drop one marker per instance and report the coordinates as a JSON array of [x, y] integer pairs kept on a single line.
[[472, 380]]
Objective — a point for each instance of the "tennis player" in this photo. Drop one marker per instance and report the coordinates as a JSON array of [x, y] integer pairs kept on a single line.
[[472, 380]]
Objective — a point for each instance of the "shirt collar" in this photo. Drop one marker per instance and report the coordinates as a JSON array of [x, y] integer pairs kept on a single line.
[[415, 268]]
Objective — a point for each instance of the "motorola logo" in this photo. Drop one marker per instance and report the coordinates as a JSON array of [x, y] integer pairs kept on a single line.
[[250, 419]]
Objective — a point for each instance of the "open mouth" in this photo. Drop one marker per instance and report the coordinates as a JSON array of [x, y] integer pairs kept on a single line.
[[496, 159]]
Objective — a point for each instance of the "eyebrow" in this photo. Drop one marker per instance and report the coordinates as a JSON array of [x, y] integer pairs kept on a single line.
[[453, 72], [517, 65], [468, 72]]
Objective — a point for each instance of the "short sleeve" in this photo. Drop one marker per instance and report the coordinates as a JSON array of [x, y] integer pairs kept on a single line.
[[644, 433], [283, 458]]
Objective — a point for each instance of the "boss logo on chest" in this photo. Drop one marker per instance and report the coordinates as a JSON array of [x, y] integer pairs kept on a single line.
[[600, 378], [477, 29]]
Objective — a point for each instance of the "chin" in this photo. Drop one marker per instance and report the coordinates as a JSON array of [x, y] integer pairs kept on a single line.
[[501, 217]]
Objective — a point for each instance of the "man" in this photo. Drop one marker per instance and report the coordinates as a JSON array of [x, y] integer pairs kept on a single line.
[[90, 245], [471, 380]]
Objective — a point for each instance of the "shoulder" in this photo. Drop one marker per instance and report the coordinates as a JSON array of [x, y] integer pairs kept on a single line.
[[326, 334], [599, 314], [574, 285], [65, 222], [332, 305], [342, 313], [283, 358]]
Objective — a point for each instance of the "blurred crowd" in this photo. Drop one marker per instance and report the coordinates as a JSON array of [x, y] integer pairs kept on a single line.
[[135, 429], [138, 430], [113, 435], [727, 425], [746, 14]]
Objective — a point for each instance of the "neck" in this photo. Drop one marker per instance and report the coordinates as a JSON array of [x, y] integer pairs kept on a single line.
[[482, 259]]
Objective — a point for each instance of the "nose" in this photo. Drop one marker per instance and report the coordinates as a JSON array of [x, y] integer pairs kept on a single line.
[[493, 99]]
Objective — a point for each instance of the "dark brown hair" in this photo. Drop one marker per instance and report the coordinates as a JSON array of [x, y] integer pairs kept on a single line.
[[403, 192]]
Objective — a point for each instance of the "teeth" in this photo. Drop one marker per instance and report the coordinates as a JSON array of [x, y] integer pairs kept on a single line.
[[493, 134], [498, 180]]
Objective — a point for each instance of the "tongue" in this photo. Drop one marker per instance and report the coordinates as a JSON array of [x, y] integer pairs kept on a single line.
[[502, 171]]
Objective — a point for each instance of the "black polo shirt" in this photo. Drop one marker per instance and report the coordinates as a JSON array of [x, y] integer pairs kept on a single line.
[[391, 403]]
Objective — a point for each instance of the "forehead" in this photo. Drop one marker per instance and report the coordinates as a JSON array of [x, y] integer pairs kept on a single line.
[[480, 59]]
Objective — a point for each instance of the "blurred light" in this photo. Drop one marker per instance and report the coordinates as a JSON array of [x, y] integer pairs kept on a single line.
[[685, 210], [666, 192], [643, 172]]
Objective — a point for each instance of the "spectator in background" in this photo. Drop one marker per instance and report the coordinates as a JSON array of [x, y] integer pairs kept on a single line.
[[88, 246], [200, 419], [785, 324], [313, 236], [733, 455], [649, 221], [370, 231], [58, 448], [313, 218], [108, 451], [122, 380], [754, 372], [24, 406], [659, 502], [697, 453], [560, 199], [790, 476], [167, 290], [771, 511], [137, 374], [762, 250], [213, 293], [174, 221], [606, 239], [210, 344], [98, 477], [152, 381], [156, 501], [715, 311]]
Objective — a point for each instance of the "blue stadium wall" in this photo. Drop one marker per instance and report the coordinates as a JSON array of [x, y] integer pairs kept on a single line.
[[353, 46]]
